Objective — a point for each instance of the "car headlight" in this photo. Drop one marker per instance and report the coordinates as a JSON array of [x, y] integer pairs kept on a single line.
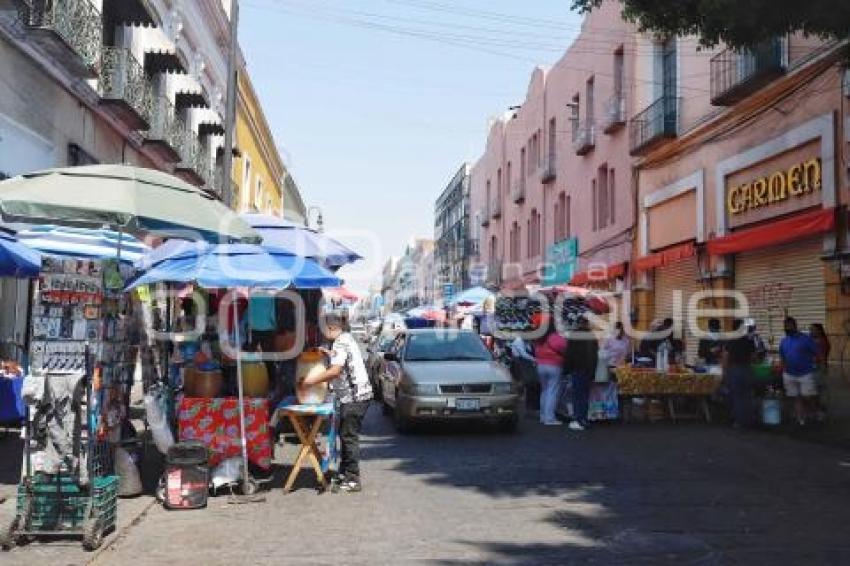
[[502, 388], [424, 389]]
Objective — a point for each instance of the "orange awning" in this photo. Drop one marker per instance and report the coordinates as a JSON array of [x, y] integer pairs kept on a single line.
[[666, 257], [599, 275], [798, 226]]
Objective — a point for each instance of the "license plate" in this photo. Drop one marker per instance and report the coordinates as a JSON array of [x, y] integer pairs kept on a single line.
[[467, 404]]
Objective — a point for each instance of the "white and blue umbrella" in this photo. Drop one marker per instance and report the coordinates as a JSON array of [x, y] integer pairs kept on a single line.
[[83, 242], [232, 265], [300, 240], [470, 297], [16, 259]]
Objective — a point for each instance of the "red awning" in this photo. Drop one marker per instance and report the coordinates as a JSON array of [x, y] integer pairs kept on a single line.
[[599, 275], [799, 226], [665, 257]]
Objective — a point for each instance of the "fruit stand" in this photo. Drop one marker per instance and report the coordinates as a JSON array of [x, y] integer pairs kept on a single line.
[[665, 391]]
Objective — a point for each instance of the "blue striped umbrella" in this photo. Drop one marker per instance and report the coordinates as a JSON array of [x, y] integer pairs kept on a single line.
[[83, 242], [17, 260]]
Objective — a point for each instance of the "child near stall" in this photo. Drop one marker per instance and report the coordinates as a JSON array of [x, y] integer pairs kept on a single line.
[[350, 383]]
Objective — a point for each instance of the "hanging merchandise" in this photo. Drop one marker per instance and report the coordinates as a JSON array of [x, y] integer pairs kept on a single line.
[[517, 314]]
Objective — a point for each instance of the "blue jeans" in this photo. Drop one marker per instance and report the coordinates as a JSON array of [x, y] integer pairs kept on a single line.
[[581, 396], [550, 387]]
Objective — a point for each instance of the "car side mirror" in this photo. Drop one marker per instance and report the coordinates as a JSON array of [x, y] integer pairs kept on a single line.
[[390, 357]]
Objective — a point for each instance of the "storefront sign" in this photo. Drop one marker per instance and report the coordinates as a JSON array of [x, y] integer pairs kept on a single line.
[[798, 180], [561, 262]]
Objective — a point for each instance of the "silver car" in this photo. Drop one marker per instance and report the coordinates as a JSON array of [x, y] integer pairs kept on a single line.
[[440, 374]]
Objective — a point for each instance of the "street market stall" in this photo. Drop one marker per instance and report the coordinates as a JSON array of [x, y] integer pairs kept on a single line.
[[78, 352], [661, 392], [221, 423]]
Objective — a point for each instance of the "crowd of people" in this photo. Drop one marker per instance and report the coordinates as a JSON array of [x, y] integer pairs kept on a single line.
[[554, 361]]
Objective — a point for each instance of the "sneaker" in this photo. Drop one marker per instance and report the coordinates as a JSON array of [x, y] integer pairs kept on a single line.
[[350, 486], [577, 426]]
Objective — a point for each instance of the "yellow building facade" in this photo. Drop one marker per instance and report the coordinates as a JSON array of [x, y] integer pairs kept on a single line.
[[259, 175]]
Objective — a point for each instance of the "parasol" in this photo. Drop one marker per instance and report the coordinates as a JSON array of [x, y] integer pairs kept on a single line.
[[300, 240], [16, 259], [83, 242], [124, 198]]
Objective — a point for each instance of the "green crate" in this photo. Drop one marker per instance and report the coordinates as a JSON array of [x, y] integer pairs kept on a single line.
[[59, 504]]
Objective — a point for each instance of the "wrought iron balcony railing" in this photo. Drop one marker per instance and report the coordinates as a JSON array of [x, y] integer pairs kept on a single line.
[[71, 30], [194, 166], [735, 74], [659, 121], [518, 193], [547, 169], [584, 137], [165, 135], [496, 209], [615, 113], [123, 86]]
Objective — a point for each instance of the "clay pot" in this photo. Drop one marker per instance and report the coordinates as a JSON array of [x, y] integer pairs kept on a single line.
[[203, 384], [255, 379]]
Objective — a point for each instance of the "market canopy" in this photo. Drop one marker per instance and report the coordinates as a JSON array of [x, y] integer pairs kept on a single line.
[[16, 259], [121, 197], [238, 265], [470, 297], [82, 242], [300, 240], [341, 294]]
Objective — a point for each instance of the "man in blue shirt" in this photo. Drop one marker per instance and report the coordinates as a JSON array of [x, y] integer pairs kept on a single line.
[[798, 352]]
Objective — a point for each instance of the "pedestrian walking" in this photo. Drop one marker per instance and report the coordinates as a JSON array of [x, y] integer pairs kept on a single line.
[[549, 353], [524, 371], [799, 354], [738, 355], [350, 383], [818, 333], [581, 360]]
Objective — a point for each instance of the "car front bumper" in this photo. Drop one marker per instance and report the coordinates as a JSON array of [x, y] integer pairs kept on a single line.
[[445, 406]]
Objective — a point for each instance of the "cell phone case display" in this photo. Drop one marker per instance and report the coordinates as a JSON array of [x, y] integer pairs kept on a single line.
[[79, 304], [522, 314]]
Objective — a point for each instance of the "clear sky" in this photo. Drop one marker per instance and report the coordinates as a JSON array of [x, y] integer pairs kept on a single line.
[[375, 104]]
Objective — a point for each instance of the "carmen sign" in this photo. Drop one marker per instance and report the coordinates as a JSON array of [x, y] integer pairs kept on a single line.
[[798, 180]]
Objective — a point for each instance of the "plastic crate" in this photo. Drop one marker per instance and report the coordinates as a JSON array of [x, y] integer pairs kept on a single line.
[[59, 504]]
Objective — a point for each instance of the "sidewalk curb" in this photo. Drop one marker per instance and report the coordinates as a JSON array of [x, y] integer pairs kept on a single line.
[[119, 534]]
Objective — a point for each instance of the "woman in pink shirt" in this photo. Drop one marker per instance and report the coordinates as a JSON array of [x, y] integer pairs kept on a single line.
[[549, 353]]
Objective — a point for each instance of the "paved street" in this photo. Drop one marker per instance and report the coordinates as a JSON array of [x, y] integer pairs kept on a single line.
[[619, 494]]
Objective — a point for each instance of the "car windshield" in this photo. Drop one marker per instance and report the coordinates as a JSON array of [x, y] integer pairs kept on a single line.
[[445, 346]]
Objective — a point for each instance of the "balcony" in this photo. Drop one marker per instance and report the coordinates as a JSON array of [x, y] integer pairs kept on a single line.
[[124, 88], [658, 122], [496, 209], [166, 133], [584, 137], [70, 31], [518, 193], [736, 74], [615, 113], [547, 169], [485, 216], [194, 167]]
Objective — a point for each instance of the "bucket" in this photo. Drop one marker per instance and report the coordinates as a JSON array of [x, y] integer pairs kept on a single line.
[[186, 476], [255, 379], [202, 384], [310, 363], [771, 412]]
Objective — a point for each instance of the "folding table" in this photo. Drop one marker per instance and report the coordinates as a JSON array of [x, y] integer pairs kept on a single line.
[[301, 416]]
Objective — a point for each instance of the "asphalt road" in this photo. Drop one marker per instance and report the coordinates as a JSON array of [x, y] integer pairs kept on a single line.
[[619, 494]]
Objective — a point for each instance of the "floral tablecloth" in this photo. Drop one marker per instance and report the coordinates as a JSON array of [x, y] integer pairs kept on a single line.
[[215, 422]]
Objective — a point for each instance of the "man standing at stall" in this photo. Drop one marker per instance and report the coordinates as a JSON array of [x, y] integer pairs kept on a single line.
[[799, 352], [350, 383]]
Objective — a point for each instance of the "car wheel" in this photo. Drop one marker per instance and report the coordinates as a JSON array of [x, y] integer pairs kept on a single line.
[[509, 425]]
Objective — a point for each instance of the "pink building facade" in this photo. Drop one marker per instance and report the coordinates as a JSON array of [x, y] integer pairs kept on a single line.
[[558, 167]]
